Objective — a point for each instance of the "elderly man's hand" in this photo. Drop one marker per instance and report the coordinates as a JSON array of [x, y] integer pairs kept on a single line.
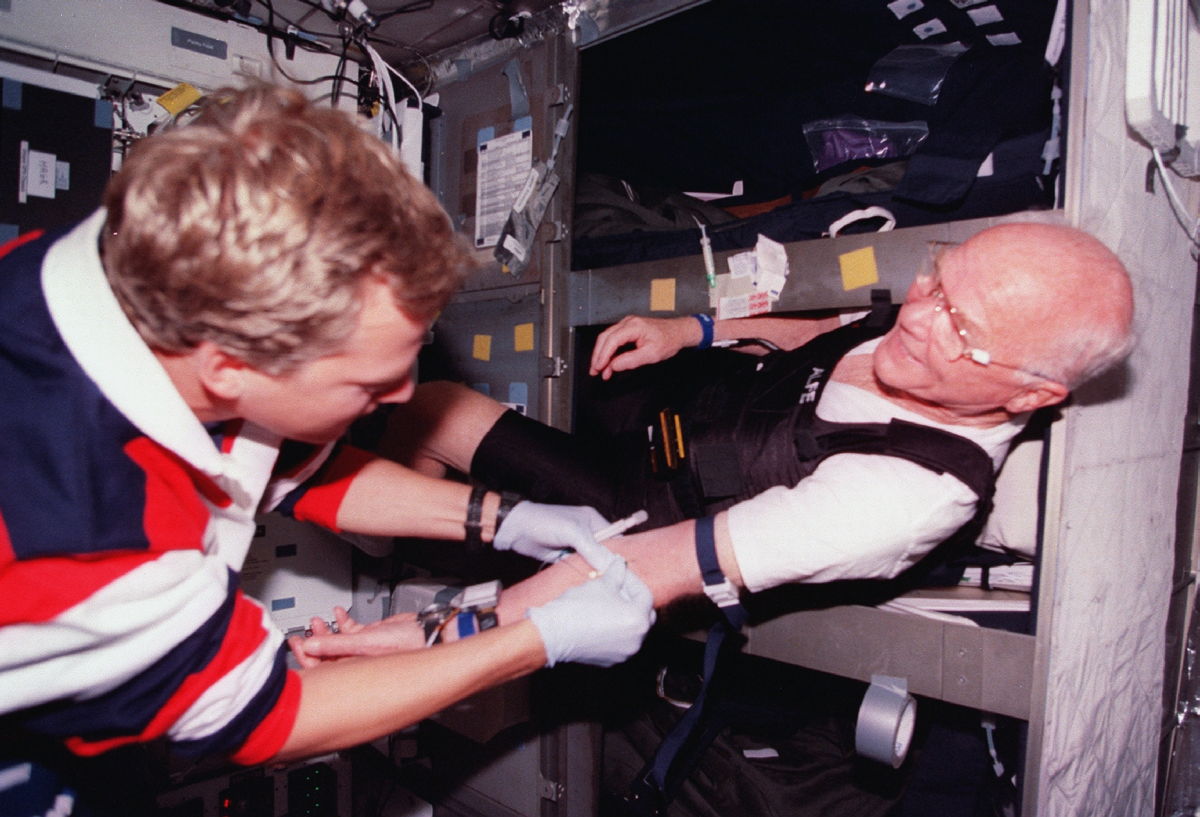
[[398, 633], [653, 339]]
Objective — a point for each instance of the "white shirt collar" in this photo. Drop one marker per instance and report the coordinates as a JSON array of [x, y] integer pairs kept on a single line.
[[114, 356]]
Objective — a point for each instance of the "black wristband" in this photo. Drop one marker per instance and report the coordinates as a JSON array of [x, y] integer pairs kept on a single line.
[[508, 501], [473, 538]]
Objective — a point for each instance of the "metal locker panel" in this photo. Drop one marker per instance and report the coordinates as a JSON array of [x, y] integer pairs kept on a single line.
[[490, 343]]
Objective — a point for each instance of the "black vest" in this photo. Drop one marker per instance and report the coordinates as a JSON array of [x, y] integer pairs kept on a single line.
[[756, 427]]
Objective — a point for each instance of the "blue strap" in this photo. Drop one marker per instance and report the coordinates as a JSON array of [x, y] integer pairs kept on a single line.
[[716, 586], [706, 330], [658, 783], [689, 737]]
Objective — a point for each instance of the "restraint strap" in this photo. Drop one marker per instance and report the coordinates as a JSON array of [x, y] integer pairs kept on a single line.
[[659, 781], [716, 585], [657, 784]]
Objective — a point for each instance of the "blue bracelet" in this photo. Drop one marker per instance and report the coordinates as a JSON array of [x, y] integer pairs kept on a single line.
[[706, 329], [466, 623]]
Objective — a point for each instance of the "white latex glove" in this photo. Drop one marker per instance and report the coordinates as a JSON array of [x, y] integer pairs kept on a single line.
[[547, 532], [600, 622]]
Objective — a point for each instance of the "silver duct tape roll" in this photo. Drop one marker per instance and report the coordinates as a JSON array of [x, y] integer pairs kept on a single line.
[[886, 720]]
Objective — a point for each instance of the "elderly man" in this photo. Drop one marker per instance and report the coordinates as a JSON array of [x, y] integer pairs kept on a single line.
[[990, 330], [849, 454]]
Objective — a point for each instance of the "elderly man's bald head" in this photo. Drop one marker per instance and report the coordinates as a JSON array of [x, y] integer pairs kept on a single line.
[[1064, 294]]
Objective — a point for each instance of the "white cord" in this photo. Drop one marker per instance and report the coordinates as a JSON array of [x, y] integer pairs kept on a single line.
[[1180, 212], [383, 80]]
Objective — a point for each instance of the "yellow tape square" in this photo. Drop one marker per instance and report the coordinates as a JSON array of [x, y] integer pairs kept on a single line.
[[858, 268], [523, 337], [482, 347], [662, 295]]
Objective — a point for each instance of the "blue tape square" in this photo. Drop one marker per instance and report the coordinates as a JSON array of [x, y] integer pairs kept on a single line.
[[518, 393], [11, 94], [104, 115]]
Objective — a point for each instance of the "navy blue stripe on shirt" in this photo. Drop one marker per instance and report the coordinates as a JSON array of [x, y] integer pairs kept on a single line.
[[129, 708]]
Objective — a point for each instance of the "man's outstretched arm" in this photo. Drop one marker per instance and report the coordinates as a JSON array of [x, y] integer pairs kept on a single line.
[[600, 621], [664, 559]]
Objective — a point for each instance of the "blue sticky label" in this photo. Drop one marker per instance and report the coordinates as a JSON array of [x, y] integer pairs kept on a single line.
[[10, 95], [518, 393], [104, 114]]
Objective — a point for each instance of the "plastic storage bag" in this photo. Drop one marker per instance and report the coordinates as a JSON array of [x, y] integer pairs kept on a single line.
[[834, 141], [914, 72]]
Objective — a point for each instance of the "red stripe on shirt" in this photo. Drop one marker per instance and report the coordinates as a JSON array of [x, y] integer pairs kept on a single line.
[[6, 549], [12, 244], [175, 518], [39, 589], [266, 741], [244, 635], [321, 502]]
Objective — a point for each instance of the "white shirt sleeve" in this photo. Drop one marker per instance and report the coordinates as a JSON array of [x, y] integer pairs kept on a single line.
[[857, 516]]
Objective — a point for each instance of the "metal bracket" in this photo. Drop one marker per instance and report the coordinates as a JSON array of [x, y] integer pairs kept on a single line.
[[552, 367], [551, 790]]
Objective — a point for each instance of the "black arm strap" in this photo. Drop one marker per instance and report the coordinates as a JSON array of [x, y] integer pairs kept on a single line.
[[939, 451]]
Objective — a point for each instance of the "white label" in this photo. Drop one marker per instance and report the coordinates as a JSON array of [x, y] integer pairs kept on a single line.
[[903, 8], [926, 30], [504, 164], [40, 174]]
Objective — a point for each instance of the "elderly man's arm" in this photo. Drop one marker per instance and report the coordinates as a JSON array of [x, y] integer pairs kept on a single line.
[[639, 341], [664, 559], [857, 516]]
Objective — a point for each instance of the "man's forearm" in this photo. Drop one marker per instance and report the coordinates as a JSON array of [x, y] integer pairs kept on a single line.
[[354, 700], [664, 558], [388, 499]]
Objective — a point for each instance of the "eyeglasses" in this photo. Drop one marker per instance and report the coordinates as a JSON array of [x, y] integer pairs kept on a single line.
[[929, 281]]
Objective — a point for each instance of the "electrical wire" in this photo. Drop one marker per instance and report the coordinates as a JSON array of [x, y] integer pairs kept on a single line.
[[333, 79], [312, 37], [383, 81], [407, 8], [381, 69], [1189, 224]]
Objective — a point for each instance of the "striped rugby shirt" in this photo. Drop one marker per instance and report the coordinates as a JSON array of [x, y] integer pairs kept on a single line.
[[123, 524]]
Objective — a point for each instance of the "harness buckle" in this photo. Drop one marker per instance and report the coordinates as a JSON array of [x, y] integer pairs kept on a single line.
[[723, 594]]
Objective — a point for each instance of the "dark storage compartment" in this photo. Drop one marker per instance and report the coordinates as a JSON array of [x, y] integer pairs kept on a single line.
[[771, 95]]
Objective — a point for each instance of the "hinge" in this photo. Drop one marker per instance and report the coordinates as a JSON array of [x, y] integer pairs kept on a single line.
[[552, 367], [551, 790]]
